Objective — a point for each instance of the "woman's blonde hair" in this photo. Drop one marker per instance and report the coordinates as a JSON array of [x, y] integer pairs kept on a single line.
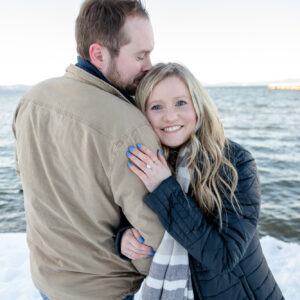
[[212, 174]]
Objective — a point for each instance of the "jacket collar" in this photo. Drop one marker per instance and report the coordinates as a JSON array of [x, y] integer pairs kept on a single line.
[[91, 69]]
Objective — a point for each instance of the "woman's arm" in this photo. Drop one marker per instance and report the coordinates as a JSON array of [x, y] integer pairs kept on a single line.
[[124, 226], [129, 242], [182, 218]]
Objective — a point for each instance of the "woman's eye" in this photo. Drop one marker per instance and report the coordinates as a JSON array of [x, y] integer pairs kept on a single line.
[[180, 103], [156, 107]]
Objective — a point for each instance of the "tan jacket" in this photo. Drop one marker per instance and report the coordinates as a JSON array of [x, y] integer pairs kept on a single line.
[[72, 134]]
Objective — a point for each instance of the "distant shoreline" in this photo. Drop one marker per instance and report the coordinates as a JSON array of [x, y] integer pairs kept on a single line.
[[274, 86]]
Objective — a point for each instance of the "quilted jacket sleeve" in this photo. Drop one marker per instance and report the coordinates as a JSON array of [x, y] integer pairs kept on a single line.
[[216, 250]]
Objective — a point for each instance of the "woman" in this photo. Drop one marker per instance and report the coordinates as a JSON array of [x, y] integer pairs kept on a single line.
[[215, 219]]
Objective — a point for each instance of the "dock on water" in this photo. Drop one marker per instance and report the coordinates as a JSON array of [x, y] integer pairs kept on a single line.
[[293, 86]]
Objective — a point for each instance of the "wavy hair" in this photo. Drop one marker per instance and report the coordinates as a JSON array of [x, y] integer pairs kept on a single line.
[[212, 174]]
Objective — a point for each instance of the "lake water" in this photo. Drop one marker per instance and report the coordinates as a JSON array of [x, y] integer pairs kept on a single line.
[[266, 122]]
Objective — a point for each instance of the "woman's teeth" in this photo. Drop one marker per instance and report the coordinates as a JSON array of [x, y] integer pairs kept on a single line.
[[174, 128]]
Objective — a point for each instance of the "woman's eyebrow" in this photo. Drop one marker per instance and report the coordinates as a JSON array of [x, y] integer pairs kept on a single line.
[[181, 97]]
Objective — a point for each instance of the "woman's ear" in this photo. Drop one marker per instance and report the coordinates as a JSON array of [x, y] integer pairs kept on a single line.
[[99, 56]]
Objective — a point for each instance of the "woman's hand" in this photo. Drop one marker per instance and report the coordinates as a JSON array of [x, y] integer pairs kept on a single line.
[[150, 168], [132, 245]]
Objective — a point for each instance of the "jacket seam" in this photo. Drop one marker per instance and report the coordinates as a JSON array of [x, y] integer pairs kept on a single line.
[[122, 140], [224, 291], [265, 279], [272, 292], [250, 254], [64, 113]]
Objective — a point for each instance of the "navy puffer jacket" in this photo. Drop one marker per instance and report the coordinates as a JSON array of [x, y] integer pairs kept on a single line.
[[227, 264]]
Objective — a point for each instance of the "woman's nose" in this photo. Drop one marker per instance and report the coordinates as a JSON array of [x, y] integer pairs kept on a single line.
[[170, 114]]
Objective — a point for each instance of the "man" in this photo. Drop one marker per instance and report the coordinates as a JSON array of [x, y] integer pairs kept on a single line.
[[72, 134]]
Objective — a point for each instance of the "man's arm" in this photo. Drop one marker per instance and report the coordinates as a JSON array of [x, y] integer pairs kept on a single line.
[[129, 191]]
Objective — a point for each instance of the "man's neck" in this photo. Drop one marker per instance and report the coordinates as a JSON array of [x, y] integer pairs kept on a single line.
[[90, 68]]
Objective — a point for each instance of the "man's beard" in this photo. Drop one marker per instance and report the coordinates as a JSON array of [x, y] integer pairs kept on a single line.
[[114, 77]]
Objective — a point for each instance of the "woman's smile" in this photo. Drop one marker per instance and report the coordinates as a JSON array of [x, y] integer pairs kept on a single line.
[[172, 129], [170, 112]]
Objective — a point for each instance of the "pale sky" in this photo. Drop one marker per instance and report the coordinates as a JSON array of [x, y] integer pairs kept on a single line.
[[220, 41]]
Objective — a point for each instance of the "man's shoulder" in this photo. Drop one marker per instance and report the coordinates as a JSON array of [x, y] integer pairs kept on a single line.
[[45, 88], [89, 105]]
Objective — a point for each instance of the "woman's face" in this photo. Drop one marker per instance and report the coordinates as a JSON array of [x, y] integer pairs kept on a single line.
[[171, 113]]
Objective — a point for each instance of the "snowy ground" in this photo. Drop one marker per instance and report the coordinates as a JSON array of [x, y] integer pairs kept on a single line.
[[16, 284]]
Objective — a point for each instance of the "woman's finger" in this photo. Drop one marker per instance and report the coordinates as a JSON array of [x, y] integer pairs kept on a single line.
[[127, 249], [148, 152], [161, 158], [137, 162], [126, 240], [137, 235], [133, 254], [140, 239], [147, 180], [131, 248], [145, 158], [139, 248], [152, 174], [141, 174]]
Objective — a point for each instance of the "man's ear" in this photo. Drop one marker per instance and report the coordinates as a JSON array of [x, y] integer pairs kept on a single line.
[[99, 56]]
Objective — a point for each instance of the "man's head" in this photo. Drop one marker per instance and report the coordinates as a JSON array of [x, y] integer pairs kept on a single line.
[[117, 37]]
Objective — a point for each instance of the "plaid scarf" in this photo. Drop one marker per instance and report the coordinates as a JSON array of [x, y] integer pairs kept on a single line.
[[169, 276]]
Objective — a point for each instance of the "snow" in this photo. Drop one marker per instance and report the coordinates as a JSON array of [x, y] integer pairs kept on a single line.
[[15, 280]]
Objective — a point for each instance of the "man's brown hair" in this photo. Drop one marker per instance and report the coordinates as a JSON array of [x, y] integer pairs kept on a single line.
[[101, 21]]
